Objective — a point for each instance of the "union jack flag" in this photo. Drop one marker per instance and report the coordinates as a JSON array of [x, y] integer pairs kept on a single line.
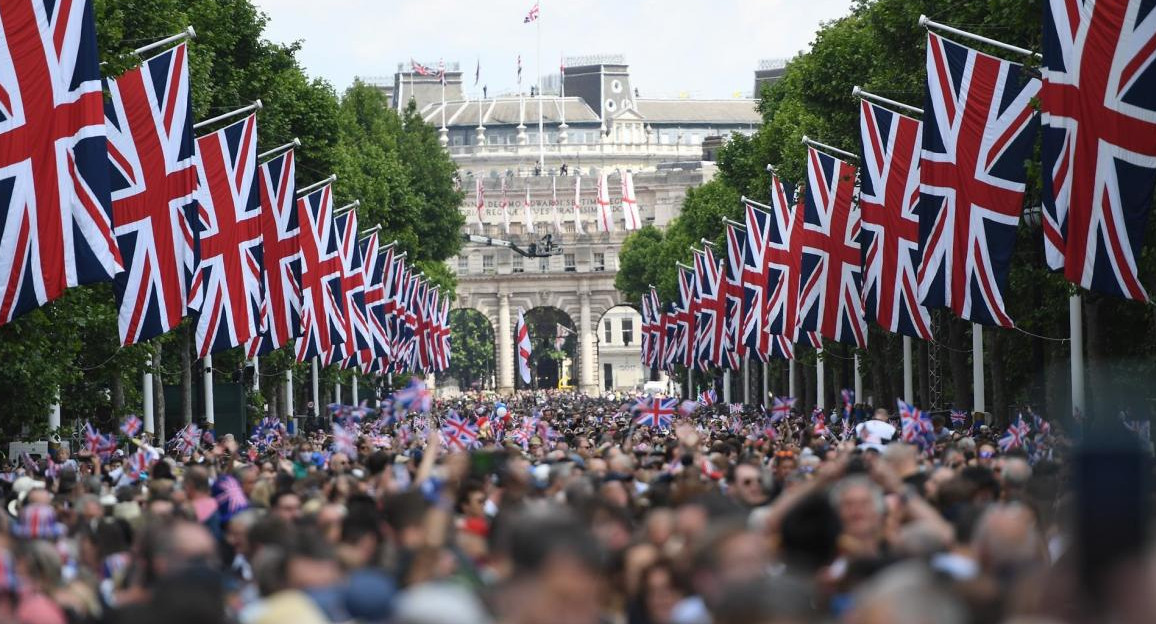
[[711, 322], [915, 424], [831, 279], [958, 418], [736, 244], [888, 194], [657, 342], [353, 288], [783, 256], [530, 17], [686, 320], [98, 443], [781, 408], [343, 439], [229, 495], [735, 408], [1016, 435], [187, 439], [655, 412], [415, 397], [376, 262], [322, 299], [977, 137], [459, 432], [226, 287], [138, 463], [131, 426], [152, 169], [444, 335], [1099, 117], [646, 344], [755, 337], [708, 398], [55, 214], [281, 277]]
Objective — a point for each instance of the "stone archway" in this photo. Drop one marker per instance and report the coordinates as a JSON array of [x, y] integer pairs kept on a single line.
[[549, 364]]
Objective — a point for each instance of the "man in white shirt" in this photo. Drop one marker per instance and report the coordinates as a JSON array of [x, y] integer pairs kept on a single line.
[[877, 431]]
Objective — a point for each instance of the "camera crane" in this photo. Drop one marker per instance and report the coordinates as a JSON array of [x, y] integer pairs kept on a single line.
[[543, 248]]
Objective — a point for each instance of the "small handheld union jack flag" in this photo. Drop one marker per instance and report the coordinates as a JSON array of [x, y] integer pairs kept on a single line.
[[131, 426], [958, 418], [781, 408], [916, 424], [459, 432], [1016, 436], [708, 398], [343, 440], [655, 412]]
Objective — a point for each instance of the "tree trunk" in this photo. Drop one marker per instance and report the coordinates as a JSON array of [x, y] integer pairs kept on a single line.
[[958, 360], [924, 373], [158, 392], [995, 355], [186, 375]]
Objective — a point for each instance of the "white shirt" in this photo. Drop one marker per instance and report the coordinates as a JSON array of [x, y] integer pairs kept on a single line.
[[875, 431]]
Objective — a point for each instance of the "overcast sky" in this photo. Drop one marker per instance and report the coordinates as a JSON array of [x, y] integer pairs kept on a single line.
[[697, 48]]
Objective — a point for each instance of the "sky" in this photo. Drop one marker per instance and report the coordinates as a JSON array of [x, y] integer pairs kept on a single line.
[[675, 48]]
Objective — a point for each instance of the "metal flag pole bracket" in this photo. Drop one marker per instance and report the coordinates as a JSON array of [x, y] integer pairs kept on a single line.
[[706, 242], [280, 148], [827, 148], [187, 33], [879, 99], [925, 22], [255, 106], [350, 206], [316, 185], [366, 233], [685, 266], [756, 204], [736, 224]]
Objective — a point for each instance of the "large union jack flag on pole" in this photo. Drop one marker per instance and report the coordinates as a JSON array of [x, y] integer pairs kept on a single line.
[[281, 277], [322, 298], [711, 309], [888, 194], [830, 278], [226, 287], [755, 338], [376, 261], [783, 257], [153, 173], [55, 224], [736, 243], [1099, 152], [977, 136], [353, 288]]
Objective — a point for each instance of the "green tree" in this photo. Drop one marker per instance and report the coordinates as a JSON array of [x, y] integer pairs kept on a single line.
[[472, 337]]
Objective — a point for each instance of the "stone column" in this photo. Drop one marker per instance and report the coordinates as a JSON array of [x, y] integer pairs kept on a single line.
[[505, 345], [586, 338]]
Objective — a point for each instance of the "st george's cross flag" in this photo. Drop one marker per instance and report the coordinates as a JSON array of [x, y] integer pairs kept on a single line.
[[55, 212], [504, 204], [1099, 157], [153, 173], [577, 206], [602, 198], [888, 194], [978, 129], [830, 279], [226, 289], [630, 215], [322, 299], [522, 344], [554, 213], [281, 247], [480, 202], [527, 212]]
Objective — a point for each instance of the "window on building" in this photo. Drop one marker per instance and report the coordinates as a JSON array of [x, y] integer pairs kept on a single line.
[[571, 264], [607, 331], [544, 265], [599, 261], [457, 139], [568, 227], [463, 265], [517, 264], [488, 263], [627, 331]]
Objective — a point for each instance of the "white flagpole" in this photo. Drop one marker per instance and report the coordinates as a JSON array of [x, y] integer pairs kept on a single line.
[[541, 138], [255, 106], [256, 374], [858, 379], [930, 25], [820, 380], [908, 382], [288, 394], [1076, 328], [747, 381], [187, 33], [977, 383], [791, 378], [54, 412], [316, 389], [727, 386], [210, 415], [354, 391], [147, 397]]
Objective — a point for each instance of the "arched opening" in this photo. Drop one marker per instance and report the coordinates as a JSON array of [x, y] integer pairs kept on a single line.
[[554, 347], [472, 340], [618, 335]]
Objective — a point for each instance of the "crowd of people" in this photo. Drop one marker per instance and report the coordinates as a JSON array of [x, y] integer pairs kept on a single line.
[[557, 509]]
